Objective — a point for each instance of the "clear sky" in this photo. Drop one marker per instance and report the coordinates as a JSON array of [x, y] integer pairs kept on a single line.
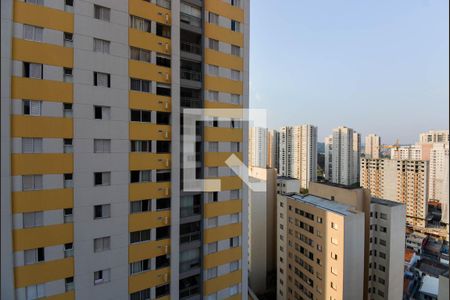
[[378, 66]]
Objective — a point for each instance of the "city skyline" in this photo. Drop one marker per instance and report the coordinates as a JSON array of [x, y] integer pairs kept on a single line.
[[390, 60]]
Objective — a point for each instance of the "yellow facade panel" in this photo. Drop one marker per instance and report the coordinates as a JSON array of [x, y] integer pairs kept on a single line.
[[147, 71], [31, 238], [224, 34], [149, 161], [148, 279], [147, 220], [225, 9], [216, 134], [229, 183], [218, 159], [138, 252], [222, 282], [224, 85], [151, 190], [42, 200], [224, 60], [146, 101], [223, 208], [222, 257], [222, 233], [43, 16], [149, 11], [42, 53], [45, 127], [146, 131], [43, 163], [149, 41], [35, 89], [43, 272]]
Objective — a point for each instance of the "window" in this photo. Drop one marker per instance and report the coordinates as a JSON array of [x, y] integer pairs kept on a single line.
[[163, 89], [140, 206], [334, 271], [35, 291], [67, 110], [212, 296], [33, 219], [102, 79], [213, 95], [141, 295], [69, 3], [235, 147], [32, 145], [212, 247], [68, 145], [140, 116], [38, 2], [163, 3], [140, 85], [69, 284], [235, 50], [236, 3], [334, 256], [102, 112], [213, 172], [68, 250], [68, 75], [102, 178], [234, 290], [102, 276], [101, 46], [102, 13], [102, 244], [31, 70], [68, 215], [32, 108], [33, 33], [333, 286], [140, 54], [140, 176], [235, 75], [213, 222], [334, 226], [32, 182], [140, 24], [68, 181], [234, 218], [383, 216], [213, 18], [140, 236], [235, 26], [214, 44], [213, 70], [234, 242], [141, 146], [334, 241], [102, 211], [33, 256], [235, 194], [102, 146], [234, 266], [211, 273], [213, 147], [163, 60], [68, 39], [140, 266]]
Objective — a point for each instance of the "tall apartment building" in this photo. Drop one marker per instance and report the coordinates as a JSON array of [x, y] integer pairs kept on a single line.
[[307, 226], [320, 249], [92, 98], [439, 172], [403, 181], [328, 165], [301, 161], [434, 136], [273, 149], [258, 147], [372, 146], [410, 152], [345, 154]]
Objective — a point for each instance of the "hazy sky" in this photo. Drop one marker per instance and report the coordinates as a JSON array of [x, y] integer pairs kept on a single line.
[[378, 66]]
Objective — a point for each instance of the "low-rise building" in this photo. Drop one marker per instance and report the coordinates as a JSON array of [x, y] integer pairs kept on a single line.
[[416, 241]]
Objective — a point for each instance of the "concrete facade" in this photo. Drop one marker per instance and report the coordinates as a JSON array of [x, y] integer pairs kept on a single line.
[[372, 146]]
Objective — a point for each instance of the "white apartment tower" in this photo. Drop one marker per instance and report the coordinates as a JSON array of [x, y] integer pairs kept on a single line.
[[273, 149], [286, 152], [439, 166], [434, 136], [372, 146], [302, 161], [328, 165], [258, 147], [346, 151]]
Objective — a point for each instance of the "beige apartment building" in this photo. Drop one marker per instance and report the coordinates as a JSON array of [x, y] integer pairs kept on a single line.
[[403, 181], [379, 233], [93, 202], [372, 146]]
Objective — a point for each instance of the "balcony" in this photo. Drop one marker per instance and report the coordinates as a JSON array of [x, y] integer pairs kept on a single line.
[[189, 287], [190, 20], [191, 75], [190, 47]]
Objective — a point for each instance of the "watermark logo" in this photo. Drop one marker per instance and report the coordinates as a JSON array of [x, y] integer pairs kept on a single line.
[[225, 129]]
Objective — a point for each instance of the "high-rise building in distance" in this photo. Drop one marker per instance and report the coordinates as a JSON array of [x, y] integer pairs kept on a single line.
[[273, 149], [434, 136], [345, 156], [328, 164], [93, 204], [258, 147], [298, 153], [372, 146]]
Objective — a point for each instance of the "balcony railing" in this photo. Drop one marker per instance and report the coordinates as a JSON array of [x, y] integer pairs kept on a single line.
[[190, 20], [190, 237], [190, 211], [191, 75], [190, 47]]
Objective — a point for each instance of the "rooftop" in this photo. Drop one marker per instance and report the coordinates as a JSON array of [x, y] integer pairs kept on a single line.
[[386, 202], [355, 186], [286, 178], [430, 285], [325, 204]]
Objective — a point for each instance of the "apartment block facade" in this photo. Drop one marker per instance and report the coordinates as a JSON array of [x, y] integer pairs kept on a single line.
[[403, 181], [93, 201], [372, 147], [274, 149], [258, 147]]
